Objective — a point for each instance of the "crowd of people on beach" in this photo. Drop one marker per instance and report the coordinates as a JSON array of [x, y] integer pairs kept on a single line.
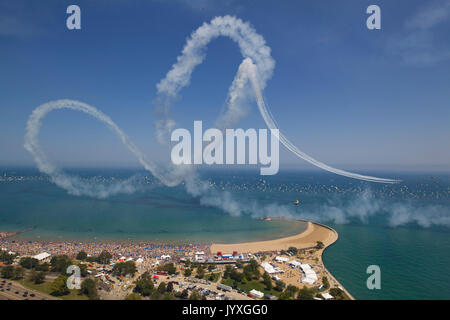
[[128, 249]]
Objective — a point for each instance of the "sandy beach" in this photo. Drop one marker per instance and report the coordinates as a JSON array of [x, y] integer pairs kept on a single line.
[[314, 232], [307, 239]]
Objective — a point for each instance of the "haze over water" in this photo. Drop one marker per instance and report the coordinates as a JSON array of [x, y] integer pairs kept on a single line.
[[403, 228]]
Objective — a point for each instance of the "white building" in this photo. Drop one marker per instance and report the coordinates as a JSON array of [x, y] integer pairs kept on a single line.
[[41, 256]]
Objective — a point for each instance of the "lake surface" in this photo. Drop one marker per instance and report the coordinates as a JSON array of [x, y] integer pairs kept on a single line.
[[402, 228]]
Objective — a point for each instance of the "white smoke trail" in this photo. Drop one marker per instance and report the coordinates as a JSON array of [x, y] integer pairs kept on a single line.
[[257, 68], [73, 184]]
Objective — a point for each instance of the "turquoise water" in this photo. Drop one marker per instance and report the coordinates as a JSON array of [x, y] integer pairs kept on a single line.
[[414, 263], [403, 228], [157, 214]]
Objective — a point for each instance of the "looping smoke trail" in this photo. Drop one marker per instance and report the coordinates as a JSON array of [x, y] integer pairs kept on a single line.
[[73, 184], [256, 68]]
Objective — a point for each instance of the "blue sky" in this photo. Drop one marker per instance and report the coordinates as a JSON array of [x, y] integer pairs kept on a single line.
[[346, 95]]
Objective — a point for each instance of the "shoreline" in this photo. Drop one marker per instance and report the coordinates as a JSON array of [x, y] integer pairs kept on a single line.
[[23, 235], [306, 239]]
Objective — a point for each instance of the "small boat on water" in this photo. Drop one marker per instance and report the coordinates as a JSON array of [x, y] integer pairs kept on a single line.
[[297, 202]]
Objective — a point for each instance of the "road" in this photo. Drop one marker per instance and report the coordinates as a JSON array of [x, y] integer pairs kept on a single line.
[[12, 290]]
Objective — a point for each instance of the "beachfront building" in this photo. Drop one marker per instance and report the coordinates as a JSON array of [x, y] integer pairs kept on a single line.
[[199, 256], [42, 256]]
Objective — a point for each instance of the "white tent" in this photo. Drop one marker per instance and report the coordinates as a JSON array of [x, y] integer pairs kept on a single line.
[[308, 281], [270, 268], [310, 274], [256, 293], [327, 296], [139, 260], [281, 259]]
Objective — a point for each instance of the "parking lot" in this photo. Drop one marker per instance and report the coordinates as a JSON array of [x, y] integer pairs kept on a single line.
[[11, 290]]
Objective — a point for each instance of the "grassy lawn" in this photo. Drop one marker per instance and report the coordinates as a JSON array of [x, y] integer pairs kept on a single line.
[[254, 284], [45, 288]]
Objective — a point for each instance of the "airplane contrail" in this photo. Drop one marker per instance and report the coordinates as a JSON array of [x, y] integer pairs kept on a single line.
[[257, 66], [256, 69]]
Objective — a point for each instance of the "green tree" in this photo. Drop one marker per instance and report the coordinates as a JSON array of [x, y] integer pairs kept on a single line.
[[43, 267], [19, 273], [267, 281], [211, 267], [58, 287], [144, 285], [306, 294], [60, 263], [227, 272], [162, 287], [8, 272], [325, 282], [187, 272], [124, 268], [338, 294], [200, 272], [279, 285], [168, 267], [195, 295], [89, 288], [104, 257], [294, 250], [28, 262], [184, 294], [6, 257], [319, 245], [169, 287], [284, 296], [253, 264], [292, 290], [82, 255], [83, 270], [37, 277]]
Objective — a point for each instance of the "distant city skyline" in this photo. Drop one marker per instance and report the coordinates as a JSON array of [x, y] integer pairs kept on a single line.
[[348, 96]]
